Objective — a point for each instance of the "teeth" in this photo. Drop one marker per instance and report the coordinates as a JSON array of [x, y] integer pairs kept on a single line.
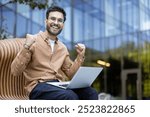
[[55, 27]]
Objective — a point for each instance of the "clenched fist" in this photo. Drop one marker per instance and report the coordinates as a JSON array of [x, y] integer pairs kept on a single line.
[[80, 48], [30, 39]]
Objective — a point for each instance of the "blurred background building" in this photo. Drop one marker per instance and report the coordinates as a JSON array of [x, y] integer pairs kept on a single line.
[[115, 32]]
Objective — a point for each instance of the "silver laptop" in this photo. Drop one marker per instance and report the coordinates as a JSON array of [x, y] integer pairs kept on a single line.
[[84, 77]]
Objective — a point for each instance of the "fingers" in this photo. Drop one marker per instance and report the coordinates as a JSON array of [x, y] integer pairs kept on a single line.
[[80, 46], [29, 35], [30, 39]]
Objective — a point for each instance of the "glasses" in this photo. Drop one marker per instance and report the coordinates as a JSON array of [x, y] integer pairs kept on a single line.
[[54, 19]]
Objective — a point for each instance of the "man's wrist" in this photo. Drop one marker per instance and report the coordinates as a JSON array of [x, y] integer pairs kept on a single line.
[[81, 58], [26, 46]]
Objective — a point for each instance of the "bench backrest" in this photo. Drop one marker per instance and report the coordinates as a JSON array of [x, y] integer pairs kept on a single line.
[[10, 87]]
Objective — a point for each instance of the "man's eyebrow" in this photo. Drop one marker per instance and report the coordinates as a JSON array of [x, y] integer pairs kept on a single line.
[[54, 17]]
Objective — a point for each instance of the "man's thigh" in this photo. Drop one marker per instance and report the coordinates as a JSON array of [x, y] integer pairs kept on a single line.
[[87, 93], [46, 91]]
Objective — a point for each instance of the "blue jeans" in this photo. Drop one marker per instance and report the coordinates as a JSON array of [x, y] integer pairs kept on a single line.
[[44, 91]]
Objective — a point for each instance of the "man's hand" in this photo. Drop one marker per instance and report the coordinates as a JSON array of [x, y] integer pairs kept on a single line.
[[80, 48], [30, 39]]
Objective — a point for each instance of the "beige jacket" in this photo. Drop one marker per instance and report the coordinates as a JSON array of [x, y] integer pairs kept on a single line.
[[39, 64]]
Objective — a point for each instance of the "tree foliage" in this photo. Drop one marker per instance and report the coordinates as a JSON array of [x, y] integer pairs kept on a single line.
[[41, 4]]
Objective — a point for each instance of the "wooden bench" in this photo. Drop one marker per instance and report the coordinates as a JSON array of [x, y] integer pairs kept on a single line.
[[10, 87]]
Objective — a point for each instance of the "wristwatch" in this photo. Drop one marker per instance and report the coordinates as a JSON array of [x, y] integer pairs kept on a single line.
[[26, 46]]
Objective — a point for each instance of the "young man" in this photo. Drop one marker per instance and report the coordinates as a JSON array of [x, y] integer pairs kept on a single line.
[[42, 58]]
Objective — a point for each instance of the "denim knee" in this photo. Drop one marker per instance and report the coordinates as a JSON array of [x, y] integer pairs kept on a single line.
[[70, 95]]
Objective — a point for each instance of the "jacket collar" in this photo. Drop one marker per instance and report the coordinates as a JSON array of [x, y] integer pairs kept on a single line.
[[46, 38]]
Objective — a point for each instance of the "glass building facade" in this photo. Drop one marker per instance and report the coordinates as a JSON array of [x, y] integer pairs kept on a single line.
[[115, 32]]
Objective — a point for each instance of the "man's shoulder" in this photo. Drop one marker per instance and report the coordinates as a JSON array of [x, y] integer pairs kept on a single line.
[[60, 43]]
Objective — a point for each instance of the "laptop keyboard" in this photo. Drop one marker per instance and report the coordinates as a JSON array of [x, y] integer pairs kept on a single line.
[[64, 85]]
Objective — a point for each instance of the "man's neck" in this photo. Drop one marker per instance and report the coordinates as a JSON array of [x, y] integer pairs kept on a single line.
[[52, 37]]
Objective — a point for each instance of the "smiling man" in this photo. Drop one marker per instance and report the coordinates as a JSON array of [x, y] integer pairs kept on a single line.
[[43, 58]]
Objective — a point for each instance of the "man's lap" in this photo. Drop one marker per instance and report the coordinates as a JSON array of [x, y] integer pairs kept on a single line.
[[46, 91]]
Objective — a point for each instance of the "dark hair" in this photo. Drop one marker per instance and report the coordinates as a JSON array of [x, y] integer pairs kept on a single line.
[[56, 8]]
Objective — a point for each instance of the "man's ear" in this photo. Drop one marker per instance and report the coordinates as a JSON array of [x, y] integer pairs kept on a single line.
[[45, 22], [63, 25]]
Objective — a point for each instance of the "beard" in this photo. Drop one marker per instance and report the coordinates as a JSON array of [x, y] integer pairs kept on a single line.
[[52, 31]]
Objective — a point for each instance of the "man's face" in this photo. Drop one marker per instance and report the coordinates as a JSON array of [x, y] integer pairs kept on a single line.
[[55, 23]]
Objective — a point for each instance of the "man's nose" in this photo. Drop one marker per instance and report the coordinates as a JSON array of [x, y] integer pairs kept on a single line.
[[56, 21]]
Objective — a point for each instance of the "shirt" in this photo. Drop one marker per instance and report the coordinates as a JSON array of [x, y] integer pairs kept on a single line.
[[40, 64], [52, 42]]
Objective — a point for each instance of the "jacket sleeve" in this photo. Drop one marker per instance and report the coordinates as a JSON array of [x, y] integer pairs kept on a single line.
[[70, 67], [20, 62]]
